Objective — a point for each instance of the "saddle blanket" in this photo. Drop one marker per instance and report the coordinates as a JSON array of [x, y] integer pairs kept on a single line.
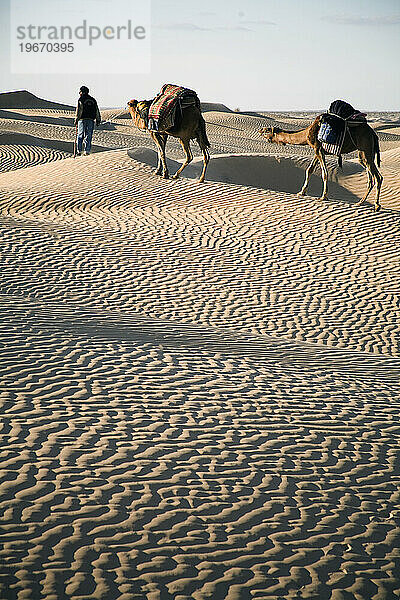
[[334, 125], [332, 133], [164, 107]]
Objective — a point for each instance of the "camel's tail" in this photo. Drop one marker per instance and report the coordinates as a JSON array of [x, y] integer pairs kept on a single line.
[[203, 139], [377, 151]]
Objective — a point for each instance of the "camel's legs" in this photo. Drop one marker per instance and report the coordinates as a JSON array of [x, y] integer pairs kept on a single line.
[[159, 163], [321, 157], [378, 180], [161, 141], [374, 177], [189, 157], [370, 186], [206, 160], [308, 173]]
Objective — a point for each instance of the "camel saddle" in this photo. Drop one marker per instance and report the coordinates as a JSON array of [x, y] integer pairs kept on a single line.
[[167, 106], [335, 123]]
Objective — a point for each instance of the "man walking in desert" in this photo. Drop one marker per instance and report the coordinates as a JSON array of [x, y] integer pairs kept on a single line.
[[87, 112]]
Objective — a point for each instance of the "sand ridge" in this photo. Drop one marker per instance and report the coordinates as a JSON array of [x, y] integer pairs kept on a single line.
[[200, 383]]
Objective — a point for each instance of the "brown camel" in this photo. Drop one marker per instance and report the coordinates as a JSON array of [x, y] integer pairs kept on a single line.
[[361, 138], [190, 125]]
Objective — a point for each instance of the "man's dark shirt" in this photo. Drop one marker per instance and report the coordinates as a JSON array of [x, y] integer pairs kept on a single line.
[[87, 109]]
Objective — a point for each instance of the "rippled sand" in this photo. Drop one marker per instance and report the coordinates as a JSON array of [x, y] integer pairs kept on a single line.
[[200, 391]]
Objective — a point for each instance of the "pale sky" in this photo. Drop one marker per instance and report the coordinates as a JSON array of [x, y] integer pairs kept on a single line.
[[255, 55]]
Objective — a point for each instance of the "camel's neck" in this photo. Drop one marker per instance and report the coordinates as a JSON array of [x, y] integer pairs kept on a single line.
[[298, 138], [137, 119]]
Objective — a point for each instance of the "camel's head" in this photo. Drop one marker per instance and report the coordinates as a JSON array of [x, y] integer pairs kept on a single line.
[[269, 133], [132, 106], [134, 109]]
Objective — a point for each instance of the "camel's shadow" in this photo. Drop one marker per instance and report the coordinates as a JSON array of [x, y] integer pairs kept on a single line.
[[264, 171]]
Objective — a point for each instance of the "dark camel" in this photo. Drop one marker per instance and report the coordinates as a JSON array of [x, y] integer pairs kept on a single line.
[[360, 137], [190, 125]]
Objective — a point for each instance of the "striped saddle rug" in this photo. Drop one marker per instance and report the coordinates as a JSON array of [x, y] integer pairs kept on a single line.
[[335, 123], [165, 106]]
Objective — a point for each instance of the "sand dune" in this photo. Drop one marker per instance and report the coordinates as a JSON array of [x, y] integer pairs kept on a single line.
[[199, 381], [25, 99], [115, 112], [214, 106]]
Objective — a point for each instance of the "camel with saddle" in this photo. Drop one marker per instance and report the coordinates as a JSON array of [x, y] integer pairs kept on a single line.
[[358, 136], [178, 116]]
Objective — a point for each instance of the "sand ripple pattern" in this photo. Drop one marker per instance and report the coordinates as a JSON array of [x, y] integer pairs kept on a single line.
[[152, 459], [199, 390], [265, 262], [21, 156]]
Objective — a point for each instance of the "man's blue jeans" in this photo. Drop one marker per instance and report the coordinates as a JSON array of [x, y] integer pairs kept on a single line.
[[85, 133]]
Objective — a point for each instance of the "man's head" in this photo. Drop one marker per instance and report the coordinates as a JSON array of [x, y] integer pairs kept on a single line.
[[83, 90]]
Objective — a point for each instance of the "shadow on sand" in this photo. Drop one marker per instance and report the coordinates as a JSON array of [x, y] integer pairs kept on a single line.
[[278, 173]]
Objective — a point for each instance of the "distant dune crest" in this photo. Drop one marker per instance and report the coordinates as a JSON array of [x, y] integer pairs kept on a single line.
[[25, 99], [209, 106]]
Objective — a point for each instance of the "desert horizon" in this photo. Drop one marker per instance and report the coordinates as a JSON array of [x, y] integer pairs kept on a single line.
[[29, 96]]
